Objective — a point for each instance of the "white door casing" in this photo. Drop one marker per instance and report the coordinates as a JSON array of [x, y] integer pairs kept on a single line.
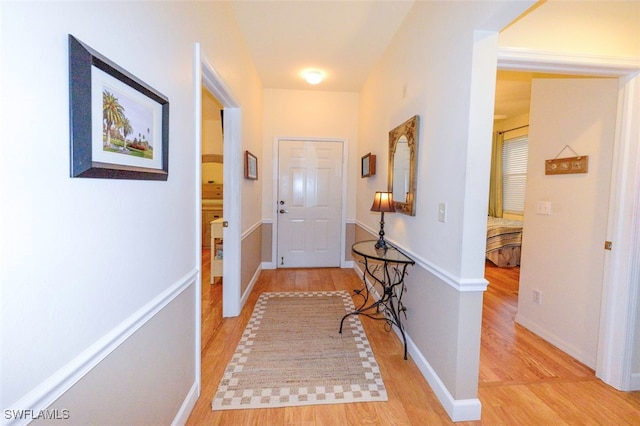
[[309, 203], [206, 75], [231, 295]]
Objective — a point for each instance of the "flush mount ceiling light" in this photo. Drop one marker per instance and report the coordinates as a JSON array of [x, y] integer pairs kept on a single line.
[[313, 76]]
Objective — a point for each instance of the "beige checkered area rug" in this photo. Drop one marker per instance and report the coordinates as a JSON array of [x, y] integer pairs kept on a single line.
[[292, 354]]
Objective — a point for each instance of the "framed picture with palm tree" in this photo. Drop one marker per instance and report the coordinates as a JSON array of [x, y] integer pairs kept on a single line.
[[119, 124]]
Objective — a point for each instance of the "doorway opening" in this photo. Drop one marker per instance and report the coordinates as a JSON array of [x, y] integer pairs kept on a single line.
[[212, 173], [615, 341], [207, 79], [509, 164]]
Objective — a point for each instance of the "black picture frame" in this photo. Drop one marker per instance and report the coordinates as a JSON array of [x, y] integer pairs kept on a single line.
[[250, 166], [147, 158], [368, 165]]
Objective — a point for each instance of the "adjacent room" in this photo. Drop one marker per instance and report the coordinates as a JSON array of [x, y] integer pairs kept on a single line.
[[509, 199]]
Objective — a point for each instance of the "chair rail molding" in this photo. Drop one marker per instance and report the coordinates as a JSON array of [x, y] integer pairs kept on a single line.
[[460, 284], [47, 392]]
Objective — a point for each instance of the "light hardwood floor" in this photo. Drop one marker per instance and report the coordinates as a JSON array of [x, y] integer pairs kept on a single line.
[[523, 380]]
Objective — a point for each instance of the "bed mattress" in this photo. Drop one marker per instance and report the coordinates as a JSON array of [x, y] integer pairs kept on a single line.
[[504, 239]]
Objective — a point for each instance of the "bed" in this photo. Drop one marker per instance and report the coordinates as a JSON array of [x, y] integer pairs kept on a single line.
[[504, 238]]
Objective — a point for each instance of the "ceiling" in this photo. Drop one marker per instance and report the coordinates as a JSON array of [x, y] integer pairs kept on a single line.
[[513, 94], [342, 39], [513, 91]]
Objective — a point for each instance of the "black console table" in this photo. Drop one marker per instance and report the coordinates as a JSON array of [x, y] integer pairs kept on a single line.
[[386, 267]]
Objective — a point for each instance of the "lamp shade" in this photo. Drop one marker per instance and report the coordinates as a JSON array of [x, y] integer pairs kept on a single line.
[[383, 202]]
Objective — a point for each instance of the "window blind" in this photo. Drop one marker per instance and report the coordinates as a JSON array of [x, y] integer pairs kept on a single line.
[[514, 173]]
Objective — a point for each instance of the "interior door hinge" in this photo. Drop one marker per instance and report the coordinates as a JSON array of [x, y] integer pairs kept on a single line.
[[608, 245]]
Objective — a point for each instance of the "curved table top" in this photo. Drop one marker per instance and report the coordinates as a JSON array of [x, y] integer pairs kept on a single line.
[[391, 254]]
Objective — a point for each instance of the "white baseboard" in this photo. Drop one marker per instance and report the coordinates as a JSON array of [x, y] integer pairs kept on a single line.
[[635, 382], [47, 392], [247, 292], [348, 264], [187, 406], [268, 265], [556, 341], [459, 410]]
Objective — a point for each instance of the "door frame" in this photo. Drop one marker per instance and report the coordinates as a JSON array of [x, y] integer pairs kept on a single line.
[[206, 76], [621, 269], [274, 201]]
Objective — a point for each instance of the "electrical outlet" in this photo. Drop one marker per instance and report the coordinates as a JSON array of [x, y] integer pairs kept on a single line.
[[537, 297]]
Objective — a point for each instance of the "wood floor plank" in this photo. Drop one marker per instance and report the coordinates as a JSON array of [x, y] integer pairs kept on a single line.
[[301, 416], [509, 352], [392, 412], [523, 380]]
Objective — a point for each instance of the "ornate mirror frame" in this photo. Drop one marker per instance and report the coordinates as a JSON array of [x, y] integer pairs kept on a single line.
[[409, 129]]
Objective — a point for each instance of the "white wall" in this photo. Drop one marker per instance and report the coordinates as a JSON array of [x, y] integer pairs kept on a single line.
[[562, 253], [440, 68], [250, 92], [311, 114], [84, 259], [636, 354]]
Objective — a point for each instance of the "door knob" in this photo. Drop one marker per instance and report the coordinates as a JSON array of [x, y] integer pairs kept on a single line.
[[284, 211]]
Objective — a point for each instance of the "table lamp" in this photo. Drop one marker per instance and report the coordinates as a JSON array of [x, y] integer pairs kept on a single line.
[[383, 202]]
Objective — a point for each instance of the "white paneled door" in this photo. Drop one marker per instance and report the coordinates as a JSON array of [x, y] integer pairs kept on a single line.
[[309, 203]]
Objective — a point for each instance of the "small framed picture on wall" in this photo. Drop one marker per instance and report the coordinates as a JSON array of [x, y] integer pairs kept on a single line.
[[368, 165], [250, 166], [119, 124]]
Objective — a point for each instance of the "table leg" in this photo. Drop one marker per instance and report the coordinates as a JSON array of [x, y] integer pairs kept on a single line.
[[384, 305]]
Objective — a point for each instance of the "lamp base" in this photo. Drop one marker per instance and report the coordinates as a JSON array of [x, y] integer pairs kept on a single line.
[[381, 244]]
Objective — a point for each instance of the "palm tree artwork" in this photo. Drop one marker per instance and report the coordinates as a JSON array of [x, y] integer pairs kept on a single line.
[[126, 130], [112, 113], [121, 118]]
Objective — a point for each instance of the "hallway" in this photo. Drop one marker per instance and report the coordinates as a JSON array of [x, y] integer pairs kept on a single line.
[[523, 380]]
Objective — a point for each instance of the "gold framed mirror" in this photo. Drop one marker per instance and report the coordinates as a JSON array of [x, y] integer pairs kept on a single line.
[[403, 154]]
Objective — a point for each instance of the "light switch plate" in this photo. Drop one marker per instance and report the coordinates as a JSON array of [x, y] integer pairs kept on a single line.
[[442, 212], [544, 207]]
